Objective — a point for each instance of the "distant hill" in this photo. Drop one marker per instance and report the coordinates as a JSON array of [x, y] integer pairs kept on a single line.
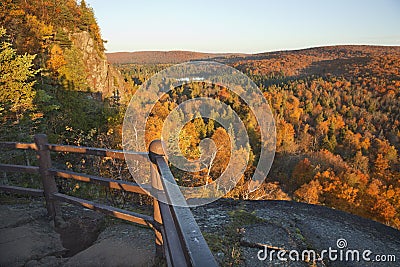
[[164, 57], [340, 60]]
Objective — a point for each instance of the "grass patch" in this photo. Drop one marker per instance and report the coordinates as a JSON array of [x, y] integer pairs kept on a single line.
[[242, 218], [228, 242]]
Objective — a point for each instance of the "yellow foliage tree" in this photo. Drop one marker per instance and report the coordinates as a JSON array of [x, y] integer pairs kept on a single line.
[[309, 192], [56, 60]]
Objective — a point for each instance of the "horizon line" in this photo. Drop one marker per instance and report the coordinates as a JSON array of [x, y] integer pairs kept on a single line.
[[252, 53]]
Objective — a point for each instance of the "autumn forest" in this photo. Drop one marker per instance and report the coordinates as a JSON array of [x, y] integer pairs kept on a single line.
[[336, 110]]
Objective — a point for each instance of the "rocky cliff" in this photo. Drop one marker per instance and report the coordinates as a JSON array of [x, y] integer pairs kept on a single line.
[[95, 63], [66, 41], [100, 75]]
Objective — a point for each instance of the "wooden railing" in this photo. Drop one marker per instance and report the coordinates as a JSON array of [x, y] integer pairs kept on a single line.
[[177, 236]]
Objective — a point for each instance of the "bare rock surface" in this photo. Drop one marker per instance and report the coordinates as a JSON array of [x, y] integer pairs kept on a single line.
[[287, 226], [118, 245], [236, 232], [26, 235], [29, 238]]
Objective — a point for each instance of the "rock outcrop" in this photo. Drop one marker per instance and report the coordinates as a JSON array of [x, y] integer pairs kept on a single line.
[[101, 76], [27, 237], [95, 62], [236, 231], [286, 225]]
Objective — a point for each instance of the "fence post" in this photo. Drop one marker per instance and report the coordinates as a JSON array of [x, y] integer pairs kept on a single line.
[[156, 149], [48, 181]]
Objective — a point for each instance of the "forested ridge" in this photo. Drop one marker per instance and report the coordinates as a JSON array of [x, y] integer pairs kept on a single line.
[[54, 74], [55, 79], [163, 57], [336, 111]]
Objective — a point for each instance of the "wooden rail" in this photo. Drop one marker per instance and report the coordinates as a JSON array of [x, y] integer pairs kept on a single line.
[[116, 154], [15, 145], [187, 237], [107, 182], [177, 235], [22, 190], [19, 168], [115, 212]]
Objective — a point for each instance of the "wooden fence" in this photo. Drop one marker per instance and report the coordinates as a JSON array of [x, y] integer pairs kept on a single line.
[[177, 236]]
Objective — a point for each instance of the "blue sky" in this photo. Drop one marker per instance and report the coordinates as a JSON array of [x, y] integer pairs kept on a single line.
[[245, 26]]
